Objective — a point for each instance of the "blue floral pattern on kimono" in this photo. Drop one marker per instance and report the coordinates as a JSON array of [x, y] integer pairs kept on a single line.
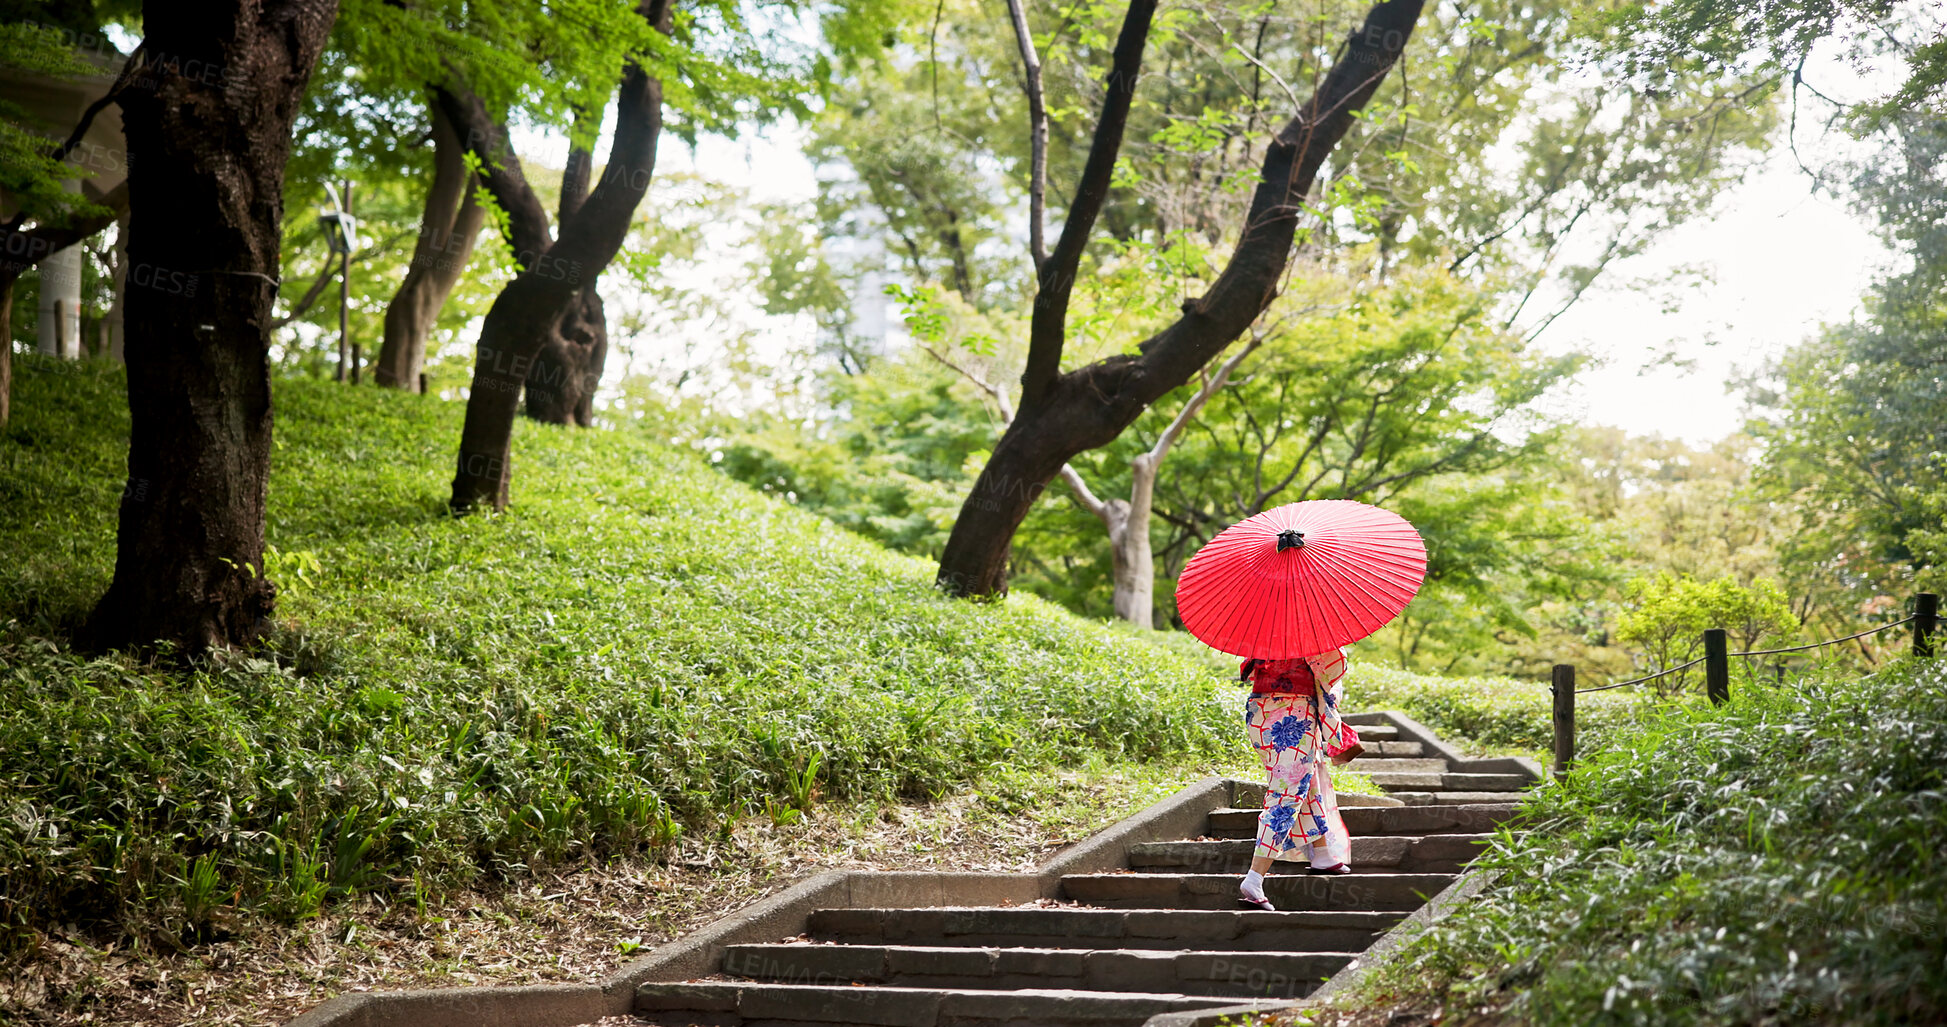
[[1293, 734]]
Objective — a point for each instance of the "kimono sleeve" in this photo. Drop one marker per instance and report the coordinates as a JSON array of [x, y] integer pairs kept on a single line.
[[1328, 669]]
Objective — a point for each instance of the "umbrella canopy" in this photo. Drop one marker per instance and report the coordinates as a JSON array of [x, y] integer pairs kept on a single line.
[[1301, 579]]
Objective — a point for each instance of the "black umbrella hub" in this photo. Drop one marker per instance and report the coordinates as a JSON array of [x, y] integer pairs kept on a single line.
[[1290, 539]]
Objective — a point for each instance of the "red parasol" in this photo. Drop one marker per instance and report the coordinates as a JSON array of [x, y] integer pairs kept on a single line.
[[1302, 579]]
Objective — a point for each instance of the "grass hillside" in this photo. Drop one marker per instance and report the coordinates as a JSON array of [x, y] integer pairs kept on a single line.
[[638, 649], [1777, 860]]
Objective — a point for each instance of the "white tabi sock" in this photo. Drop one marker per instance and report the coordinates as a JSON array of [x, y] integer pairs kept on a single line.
[[1253, 886]]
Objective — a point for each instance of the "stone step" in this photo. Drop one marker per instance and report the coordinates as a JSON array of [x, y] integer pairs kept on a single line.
[[1396, 781], [1398, 765], [1440, 853], [1347, 800], [1370, 733], [1190, 971], [1411, 798], [1233, 930], [1391, 750], [1457, 781], [1414, 819], [733, 1003], [1375, 891], [1432, 776]]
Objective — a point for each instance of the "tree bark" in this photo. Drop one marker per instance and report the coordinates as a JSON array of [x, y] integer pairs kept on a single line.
[[207, 155], [553, 273], [1132, 572], [1064, 414], [1135, 565], [568, 368], [453, 219], [1132, 561]]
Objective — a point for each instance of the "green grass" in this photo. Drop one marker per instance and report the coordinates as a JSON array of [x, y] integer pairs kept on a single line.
[[1779, 860], [1491, 715], [638, 648]]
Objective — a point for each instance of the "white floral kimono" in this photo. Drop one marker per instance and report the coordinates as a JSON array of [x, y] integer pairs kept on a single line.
[[1294, 725]]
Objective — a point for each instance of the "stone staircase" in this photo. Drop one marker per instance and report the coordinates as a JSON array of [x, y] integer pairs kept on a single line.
[[1113, 948]]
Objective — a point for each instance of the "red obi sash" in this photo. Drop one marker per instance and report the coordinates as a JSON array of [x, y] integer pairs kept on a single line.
[[1279, 677]]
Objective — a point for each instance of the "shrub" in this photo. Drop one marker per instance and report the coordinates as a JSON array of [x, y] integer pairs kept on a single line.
[[1667, 614], [1488, 714], [1776, 860], [639, 647]]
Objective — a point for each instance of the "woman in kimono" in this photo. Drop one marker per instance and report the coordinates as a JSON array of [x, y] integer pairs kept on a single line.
[[1292, 716]]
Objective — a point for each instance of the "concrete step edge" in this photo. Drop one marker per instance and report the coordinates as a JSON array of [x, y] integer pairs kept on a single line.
[[893, 1006]]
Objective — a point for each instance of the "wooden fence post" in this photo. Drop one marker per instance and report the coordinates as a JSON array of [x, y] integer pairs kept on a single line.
[[1717, 666], [1926, 618], [1564, 689]]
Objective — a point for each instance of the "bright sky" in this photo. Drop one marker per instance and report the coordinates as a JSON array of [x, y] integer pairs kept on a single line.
[[1784, 261]]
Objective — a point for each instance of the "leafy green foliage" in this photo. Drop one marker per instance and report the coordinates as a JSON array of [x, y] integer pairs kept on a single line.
[[638, 648], [29, 175], [928, 156], [1409, 395], [554, 61], [1771, 861], [1855, 425], [1667, 614], [893, 468], [1780, 36], [389, 208]]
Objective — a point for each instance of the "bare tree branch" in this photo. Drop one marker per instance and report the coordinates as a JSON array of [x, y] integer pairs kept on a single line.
[[1088, 499], [25, 248], [1211, 385], [328, 272], [1055, 282], [114, 95], [979, 381], [1037, 136], [998, 394]]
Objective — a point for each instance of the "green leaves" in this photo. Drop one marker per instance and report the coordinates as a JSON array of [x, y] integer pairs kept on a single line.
[[637, 650], [1715, 865], [30, 177], [1666, 615], [925, 316]]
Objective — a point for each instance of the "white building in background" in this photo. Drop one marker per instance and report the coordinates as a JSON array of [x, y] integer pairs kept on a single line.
[[101, 164]]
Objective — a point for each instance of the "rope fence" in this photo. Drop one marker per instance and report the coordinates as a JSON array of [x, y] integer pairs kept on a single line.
[[1716, 659], [1754, 652], [1638, 681]]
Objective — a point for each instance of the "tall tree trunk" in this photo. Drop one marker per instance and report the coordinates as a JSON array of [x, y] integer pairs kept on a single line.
[[206, 187], [7, 279], [1062, 414], [21, 249], [1134, 564], [553, 272], [561, 383], [453, 219], [566, 371]]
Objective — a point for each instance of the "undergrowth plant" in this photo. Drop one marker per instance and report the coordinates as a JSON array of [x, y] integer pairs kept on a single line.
[[1496, 715], [1776, 860], [639, 648]]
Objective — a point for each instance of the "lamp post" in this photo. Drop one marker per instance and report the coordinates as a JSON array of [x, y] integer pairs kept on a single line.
[[341, 234]]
